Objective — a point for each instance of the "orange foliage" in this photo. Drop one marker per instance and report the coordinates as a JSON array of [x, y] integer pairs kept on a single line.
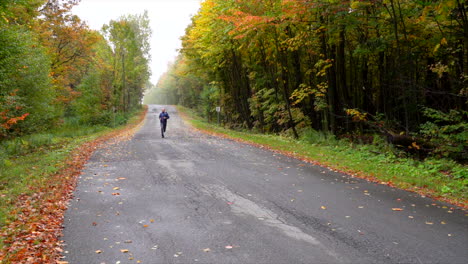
[[69, 42]]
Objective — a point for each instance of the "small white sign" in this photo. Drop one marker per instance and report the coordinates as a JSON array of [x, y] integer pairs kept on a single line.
[[218, 109]]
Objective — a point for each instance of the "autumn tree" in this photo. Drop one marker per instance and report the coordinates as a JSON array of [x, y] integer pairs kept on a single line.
[[129, 38], [26, 97], [69, 42], [287, 65]]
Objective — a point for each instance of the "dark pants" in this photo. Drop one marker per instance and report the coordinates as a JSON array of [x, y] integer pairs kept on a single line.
[[163, 125]]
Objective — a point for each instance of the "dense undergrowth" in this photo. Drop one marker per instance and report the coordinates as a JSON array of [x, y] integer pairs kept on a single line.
[[443, 179]]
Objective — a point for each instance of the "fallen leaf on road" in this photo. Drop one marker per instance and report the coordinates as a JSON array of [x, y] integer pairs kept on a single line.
[[443, 223], [98, 251], [124, 250], [62, 262], [323, 207], [152, 220], [116, 188], [397, 209], [145, 225], [122, 178], [429, 223], [360, 207], [410, 216], [116, 193], [206, 250], [228, 247], [94, 224], [128, 241]]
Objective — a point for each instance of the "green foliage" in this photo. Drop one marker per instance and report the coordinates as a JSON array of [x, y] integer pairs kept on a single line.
[[88, 105], [447, 131], [312, 136], [129, 37], [209, 101], [24, 82]]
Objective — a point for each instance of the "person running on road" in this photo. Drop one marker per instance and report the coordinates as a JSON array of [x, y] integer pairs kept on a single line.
[[163, 117]]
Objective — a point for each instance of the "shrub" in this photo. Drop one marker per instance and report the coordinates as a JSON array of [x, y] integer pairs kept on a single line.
[[448, 132]]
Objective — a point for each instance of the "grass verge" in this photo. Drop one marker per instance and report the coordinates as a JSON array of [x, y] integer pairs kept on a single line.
[[35, 186], [439, 179]]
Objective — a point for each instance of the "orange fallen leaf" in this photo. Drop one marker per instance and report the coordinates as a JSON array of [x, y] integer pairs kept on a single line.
[[98, 251], [397, 209], [145, 225], [152, 220], [116, 193], [124, 250]]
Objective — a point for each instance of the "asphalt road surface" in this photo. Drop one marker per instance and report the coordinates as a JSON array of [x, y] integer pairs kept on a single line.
[[194, 198]]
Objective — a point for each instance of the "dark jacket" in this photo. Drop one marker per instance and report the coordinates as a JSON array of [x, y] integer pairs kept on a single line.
[[163, 117]]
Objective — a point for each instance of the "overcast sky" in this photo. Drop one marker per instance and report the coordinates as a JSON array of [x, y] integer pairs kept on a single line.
[[169, 18]]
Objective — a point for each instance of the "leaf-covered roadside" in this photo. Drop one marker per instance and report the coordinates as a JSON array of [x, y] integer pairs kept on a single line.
[[420, 177], [33, 236]]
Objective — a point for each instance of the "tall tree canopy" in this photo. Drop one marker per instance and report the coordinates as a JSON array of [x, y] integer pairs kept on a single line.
[[336, 66], [53, 67]]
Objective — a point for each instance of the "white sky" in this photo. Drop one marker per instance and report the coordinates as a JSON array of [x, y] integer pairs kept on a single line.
[[168, 18]]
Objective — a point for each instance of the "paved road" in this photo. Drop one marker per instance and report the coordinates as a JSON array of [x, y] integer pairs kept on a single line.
[[193, 198]]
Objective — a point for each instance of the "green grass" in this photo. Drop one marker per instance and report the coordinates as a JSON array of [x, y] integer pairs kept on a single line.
[[29, 161], [443, 179]]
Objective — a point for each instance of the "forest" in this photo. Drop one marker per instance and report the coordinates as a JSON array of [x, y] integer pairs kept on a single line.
[[350, 69], [55, 71]]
